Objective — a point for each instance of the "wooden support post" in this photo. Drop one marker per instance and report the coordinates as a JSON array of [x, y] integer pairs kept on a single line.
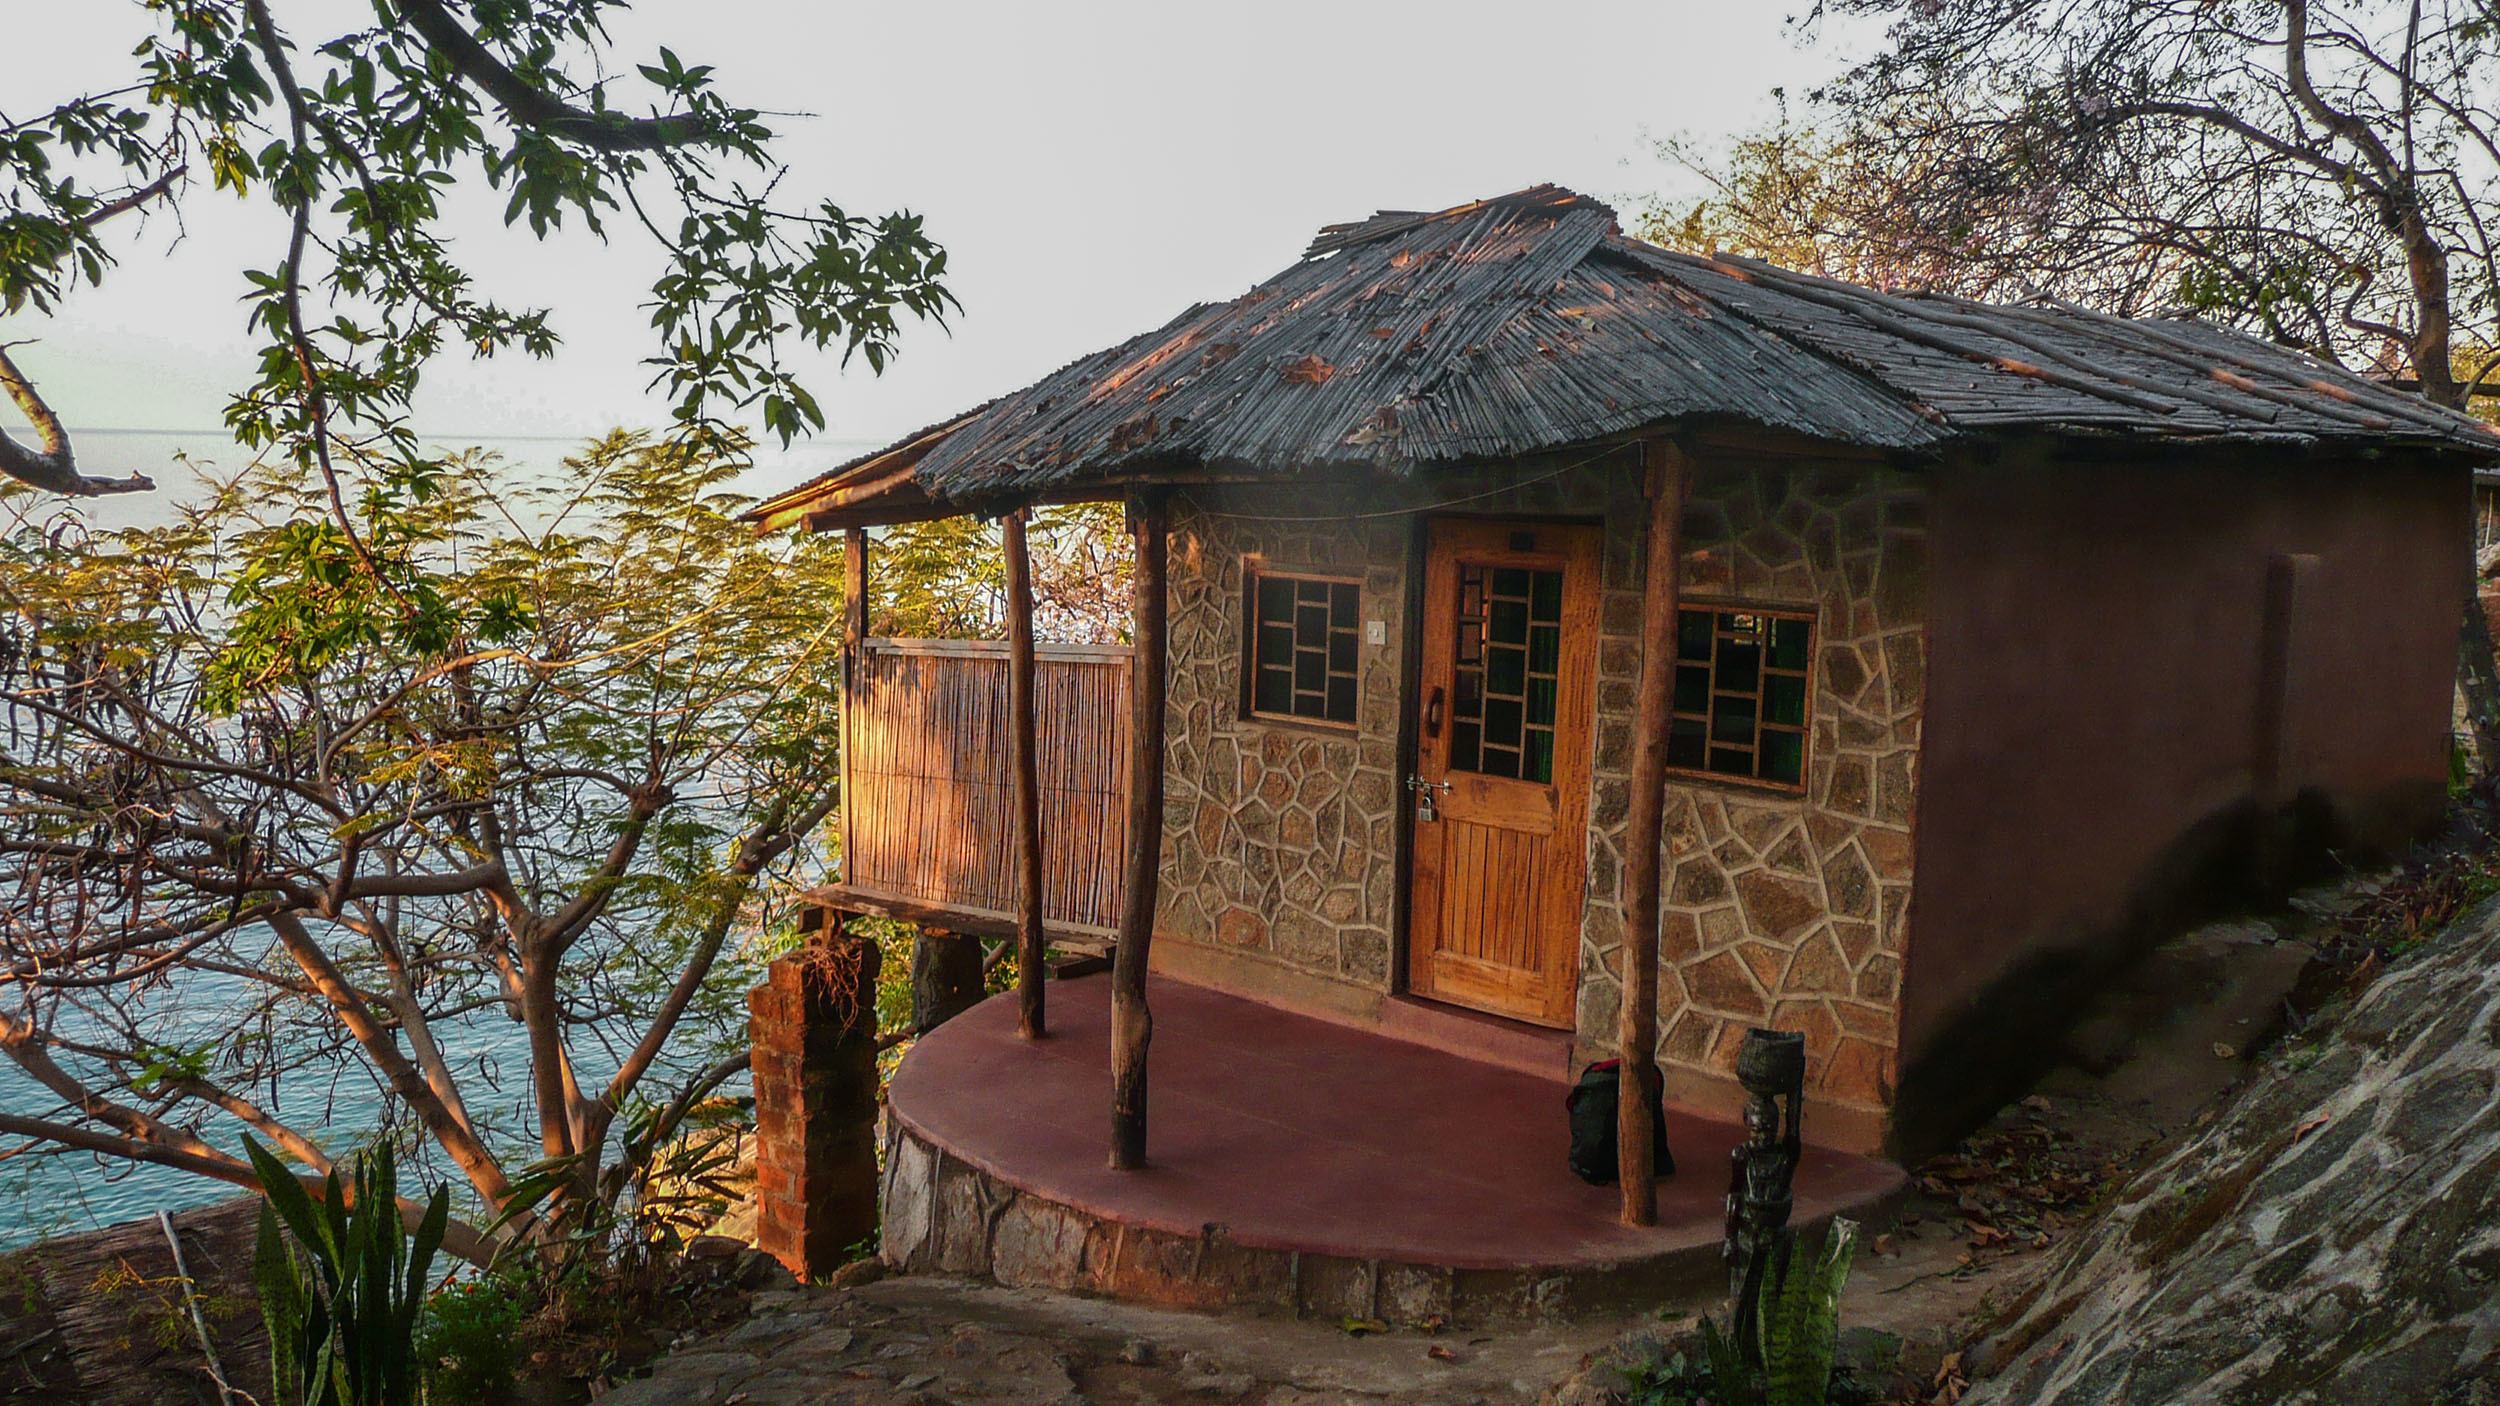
[[945, 977], [1637, 1023], [1132, 1027], [855, 580], [854, 632], [1028, 786]]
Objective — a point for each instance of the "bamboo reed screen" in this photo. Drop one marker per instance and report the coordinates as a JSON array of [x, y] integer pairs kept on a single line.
[[928, 777]]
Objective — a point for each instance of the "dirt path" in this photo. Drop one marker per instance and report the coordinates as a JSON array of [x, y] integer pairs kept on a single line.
[[921, 1341]]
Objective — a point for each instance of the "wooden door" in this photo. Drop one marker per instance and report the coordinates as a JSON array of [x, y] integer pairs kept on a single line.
[[1505, 688]]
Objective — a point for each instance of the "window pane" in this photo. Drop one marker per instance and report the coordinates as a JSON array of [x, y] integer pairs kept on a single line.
[[1784, 700], [1692, 634], [1275, 598], [1540, 702], [1545, 648], [1505, 670], [1545, 598], [1692, 691], [1501, 722], [1741, 698], [1311, 622], [1538, 762], [1275, 691], [1783, 757], [1740, 666], [1685, 744], [1310, 669], [1276, 644], [1341, 699], [1731, 720], [1341, 652], [1788, 644], [1508, 652]]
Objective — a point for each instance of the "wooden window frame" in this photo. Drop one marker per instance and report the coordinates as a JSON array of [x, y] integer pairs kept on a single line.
[[1256, 569], [1812, 674]]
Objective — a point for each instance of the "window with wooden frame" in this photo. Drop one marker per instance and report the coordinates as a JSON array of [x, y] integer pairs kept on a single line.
[[1304, 656], [1744, 689]]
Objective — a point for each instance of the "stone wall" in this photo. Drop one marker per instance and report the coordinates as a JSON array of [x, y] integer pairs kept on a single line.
[[1782, 909], [945, 1216], [1279, 839]]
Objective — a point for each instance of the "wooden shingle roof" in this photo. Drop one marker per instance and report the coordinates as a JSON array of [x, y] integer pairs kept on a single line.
[[1530, 323]]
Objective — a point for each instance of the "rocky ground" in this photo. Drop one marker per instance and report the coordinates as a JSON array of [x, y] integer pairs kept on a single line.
[[2329, 1237]]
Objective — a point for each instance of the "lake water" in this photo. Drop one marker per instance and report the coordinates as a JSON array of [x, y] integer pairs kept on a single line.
[[50, 1193]]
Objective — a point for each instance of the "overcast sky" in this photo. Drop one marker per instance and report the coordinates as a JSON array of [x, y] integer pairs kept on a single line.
[[1093, 167]]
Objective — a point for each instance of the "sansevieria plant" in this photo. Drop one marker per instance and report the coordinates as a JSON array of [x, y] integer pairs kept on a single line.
[[342, 1282], [1800, 1332]]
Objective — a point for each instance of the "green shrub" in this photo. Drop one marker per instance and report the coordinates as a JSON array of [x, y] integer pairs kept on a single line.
[[341, 1288], [471, 1338]]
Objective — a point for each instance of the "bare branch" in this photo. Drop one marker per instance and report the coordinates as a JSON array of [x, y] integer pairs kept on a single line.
[[53, 468]]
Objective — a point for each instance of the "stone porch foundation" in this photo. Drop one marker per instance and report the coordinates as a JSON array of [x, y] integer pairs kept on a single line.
[[1295, 1167]]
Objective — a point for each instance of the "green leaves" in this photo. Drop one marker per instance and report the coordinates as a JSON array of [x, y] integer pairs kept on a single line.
[[341, 1291], [1798, 1325]]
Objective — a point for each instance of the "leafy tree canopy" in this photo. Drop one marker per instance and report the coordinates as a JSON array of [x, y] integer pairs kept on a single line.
[[2325, 175], [576, 826], [357, 134]]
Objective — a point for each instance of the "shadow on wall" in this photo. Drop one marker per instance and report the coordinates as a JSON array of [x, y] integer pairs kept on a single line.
[[2002, 1041]]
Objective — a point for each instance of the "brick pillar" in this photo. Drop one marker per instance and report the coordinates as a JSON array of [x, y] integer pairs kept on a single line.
[[945, 977], [814, 1027]]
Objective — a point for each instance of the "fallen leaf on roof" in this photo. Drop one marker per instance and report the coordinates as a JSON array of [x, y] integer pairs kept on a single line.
[[1311, 370]]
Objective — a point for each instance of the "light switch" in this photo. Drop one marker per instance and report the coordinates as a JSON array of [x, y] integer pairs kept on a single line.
[[1375, 632]]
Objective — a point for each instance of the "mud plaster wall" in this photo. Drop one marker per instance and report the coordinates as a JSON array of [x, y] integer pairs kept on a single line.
[[1280, 841]]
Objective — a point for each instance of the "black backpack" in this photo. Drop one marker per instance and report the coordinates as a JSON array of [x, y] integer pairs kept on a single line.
[[1592, 1103]]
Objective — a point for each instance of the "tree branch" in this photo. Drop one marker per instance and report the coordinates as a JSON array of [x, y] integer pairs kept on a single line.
[[533, 107], [53, 468]]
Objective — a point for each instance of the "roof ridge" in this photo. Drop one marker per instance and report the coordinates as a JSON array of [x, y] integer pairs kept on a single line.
[[1388, 224]]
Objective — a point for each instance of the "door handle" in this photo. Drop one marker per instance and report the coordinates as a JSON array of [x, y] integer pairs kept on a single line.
[[1432, 712]]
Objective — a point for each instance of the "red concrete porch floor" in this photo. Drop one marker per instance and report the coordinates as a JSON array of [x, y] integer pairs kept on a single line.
[[1280, 1132]]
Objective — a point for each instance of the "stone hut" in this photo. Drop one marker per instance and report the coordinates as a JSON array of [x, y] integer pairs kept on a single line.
[[1545, 616]]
